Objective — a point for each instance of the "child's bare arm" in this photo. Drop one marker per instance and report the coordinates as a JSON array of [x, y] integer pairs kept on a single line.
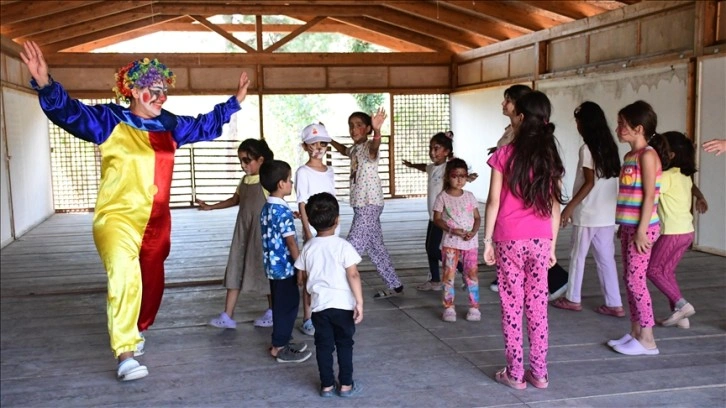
[[339, 147], [307, 234], [355, 286], [230, 202], [701, 203], [291, 243], [417, 166], [376, 123]]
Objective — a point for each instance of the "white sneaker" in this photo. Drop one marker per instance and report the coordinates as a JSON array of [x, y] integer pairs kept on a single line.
[[130, 369]]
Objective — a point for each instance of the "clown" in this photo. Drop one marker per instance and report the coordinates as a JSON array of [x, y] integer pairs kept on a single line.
[[132, 221]]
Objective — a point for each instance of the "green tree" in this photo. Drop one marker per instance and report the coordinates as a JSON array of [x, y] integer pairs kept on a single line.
[[367, 102]]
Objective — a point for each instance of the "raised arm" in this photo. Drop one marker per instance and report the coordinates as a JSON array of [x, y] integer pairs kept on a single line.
[[417, 166], [376, 123], [33, 58]]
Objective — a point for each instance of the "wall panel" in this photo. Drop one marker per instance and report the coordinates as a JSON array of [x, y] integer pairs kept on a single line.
[[614, 43], [567, 53]]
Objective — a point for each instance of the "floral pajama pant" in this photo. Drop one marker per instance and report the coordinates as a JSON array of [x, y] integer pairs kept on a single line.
[[635, 268], [450, 258], [366, 236], [522, 272]]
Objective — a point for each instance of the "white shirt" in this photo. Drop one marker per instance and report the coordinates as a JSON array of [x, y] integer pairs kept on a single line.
[[309, 182], [435, 186], [365, 183], [325, 260], [597, 209]]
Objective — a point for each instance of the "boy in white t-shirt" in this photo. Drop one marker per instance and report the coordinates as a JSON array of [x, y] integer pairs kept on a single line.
[[311, 178], [328, 265]]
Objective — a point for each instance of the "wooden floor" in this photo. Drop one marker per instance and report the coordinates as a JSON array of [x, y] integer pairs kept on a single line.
[[54, 345]]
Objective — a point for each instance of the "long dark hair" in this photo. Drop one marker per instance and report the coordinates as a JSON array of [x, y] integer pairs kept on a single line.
[[640, 113], [445, 140], [593, 127], [684, 154], [535, 169]]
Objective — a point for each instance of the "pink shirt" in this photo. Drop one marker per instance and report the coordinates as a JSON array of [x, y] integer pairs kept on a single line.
[[514, 222], [458, 212]]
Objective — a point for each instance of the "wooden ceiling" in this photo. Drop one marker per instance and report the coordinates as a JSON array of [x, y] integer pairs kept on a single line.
[[447, 27]]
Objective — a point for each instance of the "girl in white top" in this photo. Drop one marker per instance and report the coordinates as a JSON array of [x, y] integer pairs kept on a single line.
[[366, 196], [592, 211], [456, 213], [311, 178]]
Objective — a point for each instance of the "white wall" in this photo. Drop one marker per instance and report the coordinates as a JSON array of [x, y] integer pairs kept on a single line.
[[711, 177], [29, 173], [478, 122]]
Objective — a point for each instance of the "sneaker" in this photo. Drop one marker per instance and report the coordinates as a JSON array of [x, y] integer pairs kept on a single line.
[[265, 320], [473, 315], [449, 315], [426, 286], [140, 346], [223, 322], [494, 286], [287, 355], [308, 328], [297, 347], [130, 369], [686, 311]]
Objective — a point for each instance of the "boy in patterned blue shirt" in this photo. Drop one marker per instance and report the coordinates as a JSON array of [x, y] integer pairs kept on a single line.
[[279, 246]]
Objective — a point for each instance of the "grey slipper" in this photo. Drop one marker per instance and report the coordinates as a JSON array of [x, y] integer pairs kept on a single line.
[[354, 390]]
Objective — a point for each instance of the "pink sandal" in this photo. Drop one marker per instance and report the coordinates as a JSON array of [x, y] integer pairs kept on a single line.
[[502, 377]]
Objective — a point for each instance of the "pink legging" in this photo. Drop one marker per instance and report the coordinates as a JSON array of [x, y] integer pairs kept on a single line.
[[635, 267], [522, 272], [665, 255]]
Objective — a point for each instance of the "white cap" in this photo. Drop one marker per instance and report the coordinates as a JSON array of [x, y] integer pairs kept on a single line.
[[315, 133]]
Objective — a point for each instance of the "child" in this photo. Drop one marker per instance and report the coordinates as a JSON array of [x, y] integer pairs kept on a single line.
[[522, 217], [676, 223], [280, 250], [440, 150], [456, 213], [313, 177], [328, 265], [245, 272], [638, 219], [592, 211], [366, 196]]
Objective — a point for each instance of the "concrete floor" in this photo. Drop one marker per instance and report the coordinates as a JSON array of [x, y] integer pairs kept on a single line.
[[54, 344]]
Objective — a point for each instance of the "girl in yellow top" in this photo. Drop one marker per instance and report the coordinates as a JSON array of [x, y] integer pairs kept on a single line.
[[676, 220]]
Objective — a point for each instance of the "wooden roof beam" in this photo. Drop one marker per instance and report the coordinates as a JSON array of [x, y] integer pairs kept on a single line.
[[512, 14], [445, 15], [424, 40], [431, 28], [247, 8], [294, 34], [229, 37], [62, 19], [29, 10], [572, 9], [109, 32]]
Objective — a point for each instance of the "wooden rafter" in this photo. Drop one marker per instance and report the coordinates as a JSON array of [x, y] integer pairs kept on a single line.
[[431, 28], [29, 10], [61, 20], [229, 37], [572, 9], [513, 14], [424, 40], [294, 34], [109, 32]]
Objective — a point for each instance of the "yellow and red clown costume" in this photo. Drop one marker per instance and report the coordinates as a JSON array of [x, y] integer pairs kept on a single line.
[[132, 221]]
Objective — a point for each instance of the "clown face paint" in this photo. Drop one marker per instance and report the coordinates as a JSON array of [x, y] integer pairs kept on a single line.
[[147, 102]]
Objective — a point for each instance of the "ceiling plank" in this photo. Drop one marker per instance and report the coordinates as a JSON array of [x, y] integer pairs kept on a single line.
[[89, 27], [115, 60], [294, 34], [510, 13], [229, 37], [424, 40], [109, 32], [133, 34], [453, 18], [62, 19], [430, 28], [245, 8], [572, 9], [28, 10]]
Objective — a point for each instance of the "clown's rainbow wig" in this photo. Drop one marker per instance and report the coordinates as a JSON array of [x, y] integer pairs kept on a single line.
[[141, 74]]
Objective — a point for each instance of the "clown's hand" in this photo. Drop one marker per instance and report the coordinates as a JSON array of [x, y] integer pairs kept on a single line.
[[244, 83], [32, 56]]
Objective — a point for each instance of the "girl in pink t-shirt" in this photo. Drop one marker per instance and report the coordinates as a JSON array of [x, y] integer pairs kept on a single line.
[[456, 213], [522, 218]]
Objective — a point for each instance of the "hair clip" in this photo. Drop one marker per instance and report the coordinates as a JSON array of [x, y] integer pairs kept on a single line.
[[449, 134]]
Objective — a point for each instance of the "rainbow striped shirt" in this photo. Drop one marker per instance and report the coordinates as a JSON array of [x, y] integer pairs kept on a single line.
[[630, 191]]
